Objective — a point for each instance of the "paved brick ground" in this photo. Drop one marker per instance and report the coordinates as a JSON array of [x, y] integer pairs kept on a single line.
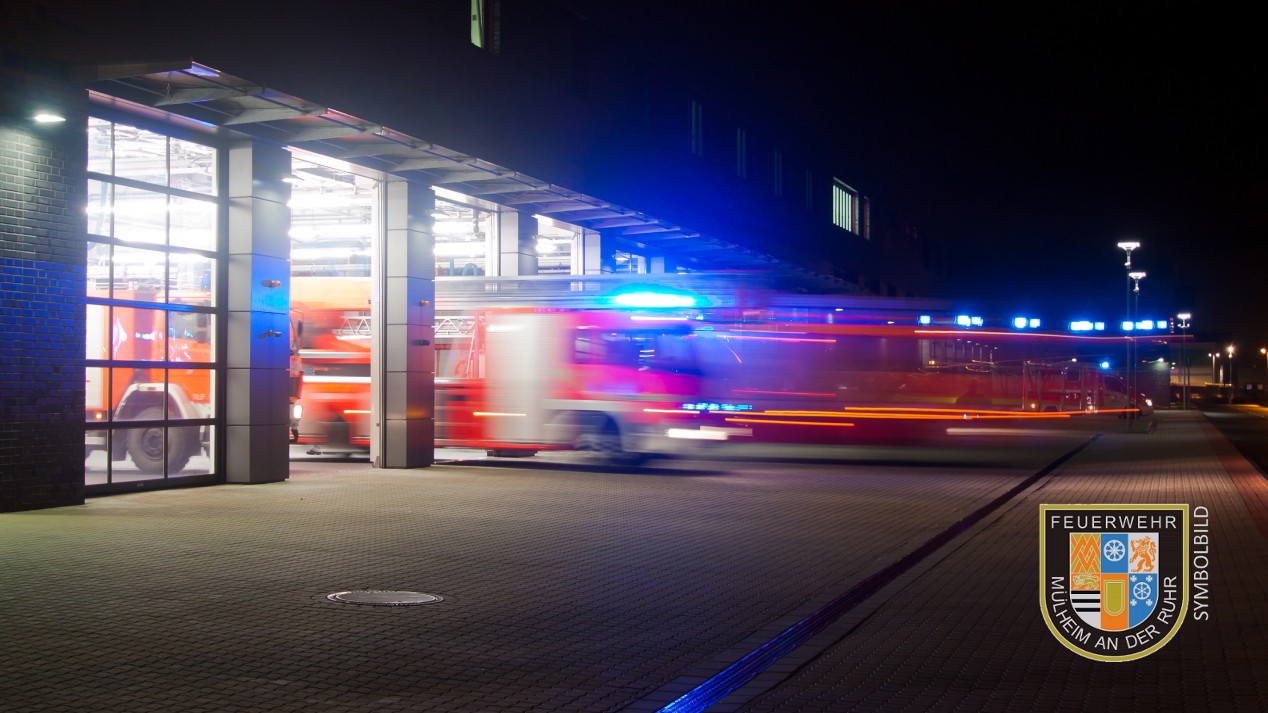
[[966, 633], [567, 589]]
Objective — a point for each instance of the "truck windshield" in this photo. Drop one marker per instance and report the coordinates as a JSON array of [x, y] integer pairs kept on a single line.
[[645, 350]]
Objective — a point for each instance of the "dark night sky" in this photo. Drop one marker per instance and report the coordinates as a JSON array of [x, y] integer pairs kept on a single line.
[[1028, 139]]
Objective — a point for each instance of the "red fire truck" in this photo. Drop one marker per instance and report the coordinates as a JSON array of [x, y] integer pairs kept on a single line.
[[144, 394], [846, 382], [620, 384]]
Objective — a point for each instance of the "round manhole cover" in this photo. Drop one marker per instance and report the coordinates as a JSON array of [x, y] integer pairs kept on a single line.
[[382, 598]]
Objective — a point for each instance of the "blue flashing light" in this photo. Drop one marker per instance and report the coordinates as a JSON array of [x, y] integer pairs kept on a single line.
[[925, 320], [976, 321], [1034, 323], [962, 320], [714, 406], [1105, 365], [1020, 322], [1081, 325], [1128, 326], [654, 298], [1099, 326], [1145, 324]]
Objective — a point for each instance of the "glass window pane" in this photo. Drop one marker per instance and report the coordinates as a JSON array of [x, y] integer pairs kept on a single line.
[[138, 334], [201, 462], [189, 336], [193, 223], [97, 332], [140, 274], [192, 279], [95, 395], [191, 393], [193, 167], [147, 453], [97, 209], [100, 149], [140, 393], [98, 274], [140, 216], [140, 155], [96, 457], [185, 451]]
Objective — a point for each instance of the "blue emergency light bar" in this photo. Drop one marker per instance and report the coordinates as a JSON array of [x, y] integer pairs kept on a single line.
[[650, 297], [714, 406]]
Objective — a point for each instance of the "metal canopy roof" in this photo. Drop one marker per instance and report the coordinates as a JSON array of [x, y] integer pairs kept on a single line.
[[214, 98]]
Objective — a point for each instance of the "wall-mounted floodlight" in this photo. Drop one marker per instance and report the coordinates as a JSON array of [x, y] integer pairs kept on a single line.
[[48, 117]]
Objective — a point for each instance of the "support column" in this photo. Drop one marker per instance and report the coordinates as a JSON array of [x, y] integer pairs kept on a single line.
[[517, 243], [403, 379], [259, 289], [587, 254]]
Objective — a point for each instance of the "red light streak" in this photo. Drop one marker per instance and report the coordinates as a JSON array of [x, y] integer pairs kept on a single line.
[[789, 423]]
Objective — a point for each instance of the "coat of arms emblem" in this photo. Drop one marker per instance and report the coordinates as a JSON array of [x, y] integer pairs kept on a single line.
[[1113, 578]]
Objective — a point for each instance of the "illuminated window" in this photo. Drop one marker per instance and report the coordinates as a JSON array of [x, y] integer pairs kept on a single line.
[[845, 207], [477, 23], [697, 129], [486, 24], [153, 253]]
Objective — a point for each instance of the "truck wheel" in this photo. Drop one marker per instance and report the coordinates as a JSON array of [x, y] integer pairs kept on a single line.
[[601, 441], [145, 445]]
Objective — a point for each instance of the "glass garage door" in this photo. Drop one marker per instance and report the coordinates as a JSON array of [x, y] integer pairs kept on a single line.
[[154, 252]]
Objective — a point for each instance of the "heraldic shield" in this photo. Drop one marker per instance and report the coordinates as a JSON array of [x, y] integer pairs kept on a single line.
[[1114, 577]]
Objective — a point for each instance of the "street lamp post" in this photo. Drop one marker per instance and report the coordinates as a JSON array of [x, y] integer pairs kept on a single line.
[[1135, 276], [1127, 246], [1184, 359], [1264, 351], [1229, 349]]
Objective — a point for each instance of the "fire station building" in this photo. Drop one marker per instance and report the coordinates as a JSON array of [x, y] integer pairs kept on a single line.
[[165, 179]]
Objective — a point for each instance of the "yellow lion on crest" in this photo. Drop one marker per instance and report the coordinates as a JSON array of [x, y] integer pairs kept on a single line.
[[1144, 552]]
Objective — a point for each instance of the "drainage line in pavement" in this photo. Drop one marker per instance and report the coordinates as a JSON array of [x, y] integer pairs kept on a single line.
[[761, 658]]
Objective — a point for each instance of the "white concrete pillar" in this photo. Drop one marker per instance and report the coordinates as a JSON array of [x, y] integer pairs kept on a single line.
[[517, 243], [259, 289], [403, 361], [588, 254]]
